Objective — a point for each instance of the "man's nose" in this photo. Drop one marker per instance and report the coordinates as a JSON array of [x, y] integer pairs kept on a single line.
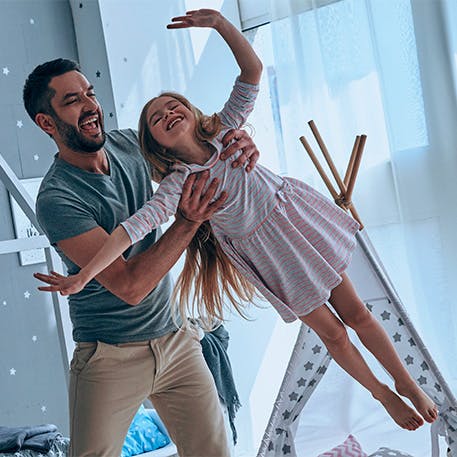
[[90, 104]]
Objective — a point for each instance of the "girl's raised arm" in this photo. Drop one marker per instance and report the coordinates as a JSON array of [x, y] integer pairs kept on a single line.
[[248, 61]]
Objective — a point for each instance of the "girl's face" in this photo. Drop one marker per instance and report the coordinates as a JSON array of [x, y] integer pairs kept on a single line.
[[170, 122]]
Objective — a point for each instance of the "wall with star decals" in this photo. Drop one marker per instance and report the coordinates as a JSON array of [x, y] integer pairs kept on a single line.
[[32, 376]]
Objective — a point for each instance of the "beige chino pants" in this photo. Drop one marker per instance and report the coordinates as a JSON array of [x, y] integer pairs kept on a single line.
[[109, 382]]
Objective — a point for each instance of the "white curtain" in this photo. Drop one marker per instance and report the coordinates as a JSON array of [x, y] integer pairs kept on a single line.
[[386, 69]]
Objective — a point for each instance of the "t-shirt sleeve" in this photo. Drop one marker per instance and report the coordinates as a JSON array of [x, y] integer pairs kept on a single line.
[[239, 105], [62, 217], [158, 209]]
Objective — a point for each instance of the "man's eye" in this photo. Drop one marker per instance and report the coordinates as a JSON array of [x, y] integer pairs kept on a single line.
[[92, 94], [69, 102], [157, 119]]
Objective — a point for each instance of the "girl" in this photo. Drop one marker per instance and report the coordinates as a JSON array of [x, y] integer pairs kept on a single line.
[[285, 238]]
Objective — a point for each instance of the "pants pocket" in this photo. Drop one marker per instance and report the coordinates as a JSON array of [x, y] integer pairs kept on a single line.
[[84, 354]]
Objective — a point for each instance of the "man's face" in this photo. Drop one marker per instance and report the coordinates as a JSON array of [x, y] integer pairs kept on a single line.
[[78, 116]]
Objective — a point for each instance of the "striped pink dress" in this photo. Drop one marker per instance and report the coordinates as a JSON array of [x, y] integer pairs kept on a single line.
[[287, 239]]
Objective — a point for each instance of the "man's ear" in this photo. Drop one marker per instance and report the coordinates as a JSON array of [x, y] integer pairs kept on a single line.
[[46, 123]]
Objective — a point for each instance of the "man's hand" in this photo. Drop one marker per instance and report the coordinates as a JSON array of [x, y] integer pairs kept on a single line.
[[195, 206], [243, 141]]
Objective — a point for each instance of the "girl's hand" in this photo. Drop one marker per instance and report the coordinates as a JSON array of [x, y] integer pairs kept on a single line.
[[66, 285], [196, 18]]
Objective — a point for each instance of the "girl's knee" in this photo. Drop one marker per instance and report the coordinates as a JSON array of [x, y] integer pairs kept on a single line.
[[336, 336], [360, 318]]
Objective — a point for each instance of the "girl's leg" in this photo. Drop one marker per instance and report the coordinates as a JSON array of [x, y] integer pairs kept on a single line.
[[333, 334], [353, 313]]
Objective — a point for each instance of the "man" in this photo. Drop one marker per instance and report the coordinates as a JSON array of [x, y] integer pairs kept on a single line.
[[128, 347]]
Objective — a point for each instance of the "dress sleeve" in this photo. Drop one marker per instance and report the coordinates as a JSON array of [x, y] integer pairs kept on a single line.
[[239, 105], [158, 209]]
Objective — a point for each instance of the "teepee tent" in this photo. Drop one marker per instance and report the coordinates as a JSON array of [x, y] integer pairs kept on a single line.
[[310, 360]]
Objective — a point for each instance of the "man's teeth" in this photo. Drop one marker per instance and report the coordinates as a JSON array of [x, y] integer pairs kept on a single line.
[[89, 121]]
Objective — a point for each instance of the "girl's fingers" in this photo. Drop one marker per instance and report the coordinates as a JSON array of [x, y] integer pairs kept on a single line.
[[46, 278], [57, 275], [48, 288], [179, 18]]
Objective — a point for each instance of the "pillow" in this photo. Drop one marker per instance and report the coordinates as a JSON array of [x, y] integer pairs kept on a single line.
[[143, 435], [350, 448], [385, 452]]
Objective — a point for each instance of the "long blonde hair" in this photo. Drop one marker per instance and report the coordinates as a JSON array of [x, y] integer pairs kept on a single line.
[[208, 272]]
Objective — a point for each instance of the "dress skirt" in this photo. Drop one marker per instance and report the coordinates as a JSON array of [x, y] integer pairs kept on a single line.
[[296, 256]]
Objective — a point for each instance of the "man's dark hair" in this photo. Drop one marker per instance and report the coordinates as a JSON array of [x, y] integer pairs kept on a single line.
[[37, 94]]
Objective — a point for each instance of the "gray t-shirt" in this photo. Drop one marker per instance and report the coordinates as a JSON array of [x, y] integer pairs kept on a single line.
[[72, 201]]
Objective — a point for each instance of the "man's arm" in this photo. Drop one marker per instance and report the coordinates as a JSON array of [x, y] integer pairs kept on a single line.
[[131, 280]]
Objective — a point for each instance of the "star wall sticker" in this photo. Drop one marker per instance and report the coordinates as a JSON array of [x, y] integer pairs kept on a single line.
[[293, 396], [32, 21], [438, 387], [98, 73], [19, 124], [308, 366], [397, 337], [301, 382], [34, 338], [411, 342], [36, 157], [370, 307], [422, 380], [12, 371], [312, 382], [43, 409], [4, 303], [316, 349], [5, 71], [424, 366], [286, 449], [409, 360], [385, 316], [27, 294], [286, 414]]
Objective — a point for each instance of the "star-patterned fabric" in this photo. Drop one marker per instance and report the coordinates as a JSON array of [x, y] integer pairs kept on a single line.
[[310, 359]]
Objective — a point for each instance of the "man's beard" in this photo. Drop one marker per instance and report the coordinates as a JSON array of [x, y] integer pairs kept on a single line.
[[75, 141]]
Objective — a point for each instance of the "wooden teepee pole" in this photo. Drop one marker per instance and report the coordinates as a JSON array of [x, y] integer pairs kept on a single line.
[[347, 186]]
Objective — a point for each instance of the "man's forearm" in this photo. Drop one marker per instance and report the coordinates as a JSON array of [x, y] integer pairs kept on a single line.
[[145, 270]]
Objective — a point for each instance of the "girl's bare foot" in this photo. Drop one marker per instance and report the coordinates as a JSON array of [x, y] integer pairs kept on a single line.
[[421, 401], [400, 412]]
